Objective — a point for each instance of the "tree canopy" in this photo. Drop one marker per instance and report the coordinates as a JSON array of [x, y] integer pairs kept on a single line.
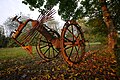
[[75, 9]]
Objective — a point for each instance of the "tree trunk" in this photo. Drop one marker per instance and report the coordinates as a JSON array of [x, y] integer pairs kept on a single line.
[[112, 33]]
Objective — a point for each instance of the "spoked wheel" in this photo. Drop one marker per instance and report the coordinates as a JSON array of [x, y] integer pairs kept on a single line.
[[45, 48], [72, 43]]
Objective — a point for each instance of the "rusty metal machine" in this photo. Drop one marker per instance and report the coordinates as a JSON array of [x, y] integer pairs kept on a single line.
[[71, 42]]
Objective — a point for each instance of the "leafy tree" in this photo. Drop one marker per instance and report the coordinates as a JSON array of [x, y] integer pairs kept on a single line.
[[2, 29], [66, 7], [79, 8], [9, 26], [3, 39], [105, 10]]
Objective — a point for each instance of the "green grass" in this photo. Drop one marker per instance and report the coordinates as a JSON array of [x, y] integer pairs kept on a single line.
[[16, 52], [10, 53]]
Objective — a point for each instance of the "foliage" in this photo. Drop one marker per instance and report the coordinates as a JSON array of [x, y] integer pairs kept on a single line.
[[92, 9], [6, 42], [94, 30], [9, 26], [53, 24], [113, 6], [66, 8], [18, 65], [3, 41], [1, 30], [75, 9], [97, 29]]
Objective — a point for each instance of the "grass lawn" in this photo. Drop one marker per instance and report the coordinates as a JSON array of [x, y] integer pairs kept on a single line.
[[10, 53]]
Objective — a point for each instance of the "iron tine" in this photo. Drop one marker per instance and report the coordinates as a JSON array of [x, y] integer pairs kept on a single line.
[[47, 16]]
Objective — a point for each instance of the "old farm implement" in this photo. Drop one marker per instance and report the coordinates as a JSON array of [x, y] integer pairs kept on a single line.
[[49, 43]]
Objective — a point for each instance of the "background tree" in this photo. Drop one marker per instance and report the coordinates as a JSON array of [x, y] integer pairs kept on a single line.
[[2, 29], [54, 25], [105, 10], [98, 30], [3, 39], [10, 26], [112, 33]]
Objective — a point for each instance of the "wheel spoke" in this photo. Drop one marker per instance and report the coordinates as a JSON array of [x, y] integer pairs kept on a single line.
[[44, 41], [76, 49], [53, 51], [68, 43], [72, 31], [72, 34], [71, 52], [78, 35], [46, 51], [67, 39], [68, 47], [49, 53], [77, 55], [43, 46]]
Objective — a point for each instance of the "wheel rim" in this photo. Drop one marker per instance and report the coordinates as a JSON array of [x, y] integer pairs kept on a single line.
[[73, 47], [45, 49]]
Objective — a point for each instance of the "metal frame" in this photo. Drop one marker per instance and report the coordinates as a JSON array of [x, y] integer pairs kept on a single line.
[[56, 43]]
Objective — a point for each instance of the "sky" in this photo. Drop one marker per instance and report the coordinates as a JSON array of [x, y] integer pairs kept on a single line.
[[10, 8]]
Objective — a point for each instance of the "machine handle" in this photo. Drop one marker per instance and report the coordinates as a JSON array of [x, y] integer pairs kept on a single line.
[[15, 18], [11, 33], [18, 17]]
